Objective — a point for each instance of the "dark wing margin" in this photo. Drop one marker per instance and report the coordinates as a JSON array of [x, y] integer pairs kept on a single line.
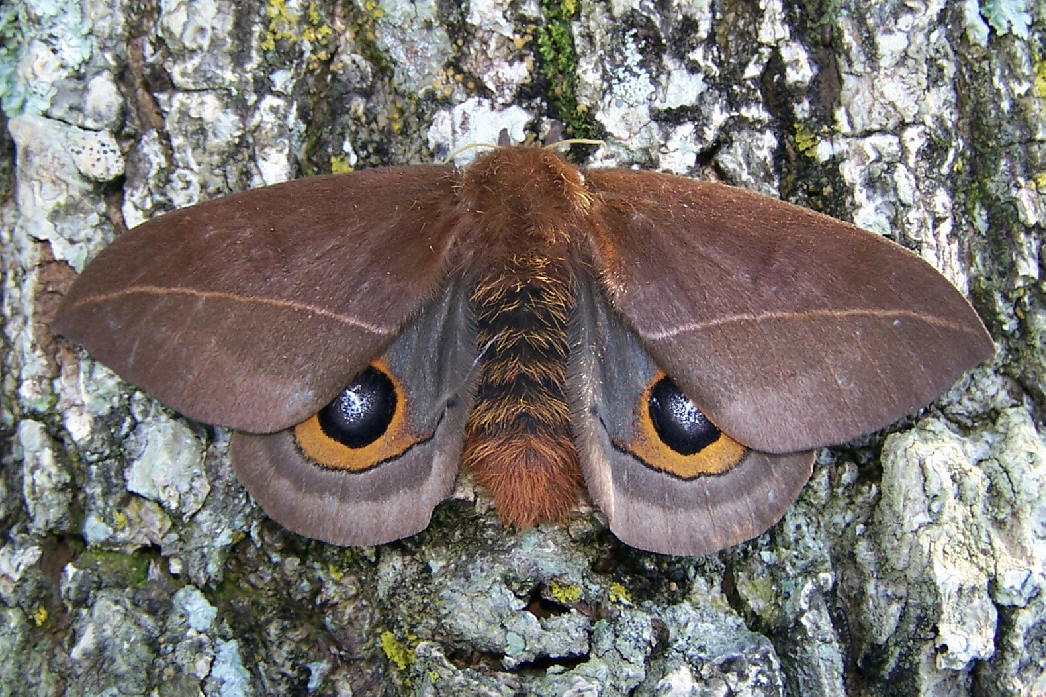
[[252, 311], [790, 329]]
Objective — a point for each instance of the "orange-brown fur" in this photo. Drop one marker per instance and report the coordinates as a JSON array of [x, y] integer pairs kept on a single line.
[[533, 477]]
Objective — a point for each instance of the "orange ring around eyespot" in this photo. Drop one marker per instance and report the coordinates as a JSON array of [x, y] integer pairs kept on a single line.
[[328, 452], [716, 458]]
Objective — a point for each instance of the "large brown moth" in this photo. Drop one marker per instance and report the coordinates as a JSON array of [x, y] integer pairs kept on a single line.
[[679, 346]]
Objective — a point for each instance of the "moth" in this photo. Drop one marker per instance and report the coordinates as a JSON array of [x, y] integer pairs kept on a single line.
[[679, 347]]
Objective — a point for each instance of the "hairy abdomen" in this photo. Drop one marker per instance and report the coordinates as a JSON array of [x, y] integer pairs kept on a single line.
[[518, 441]]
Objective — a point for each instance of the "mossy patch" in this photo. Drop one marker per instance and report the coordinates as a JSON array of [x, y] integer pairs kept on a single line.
[[823, 13], [557, 63], [121, 569]]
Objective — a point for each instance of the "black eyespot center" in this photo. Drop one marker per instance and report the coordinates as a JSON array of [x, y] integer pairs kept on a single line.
[[362, 412], [678, 422]]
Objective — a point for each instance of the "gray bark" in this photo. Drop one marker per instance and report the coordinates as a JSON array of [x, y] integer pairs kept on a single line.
[[914, 563]]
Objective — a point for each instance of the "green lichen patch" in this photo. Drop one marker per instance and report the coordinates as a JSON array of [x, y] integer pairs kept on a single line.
[[397, 651], [308, 30], [806, 141], [282, 25], [340, 164], [619, 594], [1039, 79], [363, 31], [565, 593], [39, 616]]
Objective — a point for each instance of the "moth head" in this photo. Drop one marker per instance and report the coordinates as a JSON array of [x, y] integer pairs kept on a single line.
[[530, 174]]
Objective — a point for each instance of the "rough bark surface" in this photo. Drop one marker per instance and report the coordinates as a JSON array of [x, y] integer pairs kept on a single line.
[[133, 563]]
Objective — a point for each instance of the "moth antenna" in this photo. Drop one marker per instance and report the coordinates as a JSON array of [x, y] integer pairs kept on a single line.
[[447, 160], [575, 141]]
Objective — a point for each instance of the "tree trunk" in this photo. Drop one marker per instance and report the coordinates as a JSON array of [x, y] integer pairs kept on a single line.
[[913, 563]]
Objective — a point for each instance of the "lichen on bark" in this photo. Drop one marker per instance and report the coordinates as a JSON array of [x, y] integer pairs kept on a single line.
[[134, 563]]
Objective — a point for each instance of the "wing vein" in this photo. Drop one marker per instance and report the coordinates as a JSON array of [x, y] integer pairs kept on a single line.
[[233, 297], [806, 315]]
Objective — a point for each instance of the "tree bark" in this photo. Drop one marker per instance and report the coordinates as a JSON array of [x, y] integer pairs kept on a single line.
[[914, 562]]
